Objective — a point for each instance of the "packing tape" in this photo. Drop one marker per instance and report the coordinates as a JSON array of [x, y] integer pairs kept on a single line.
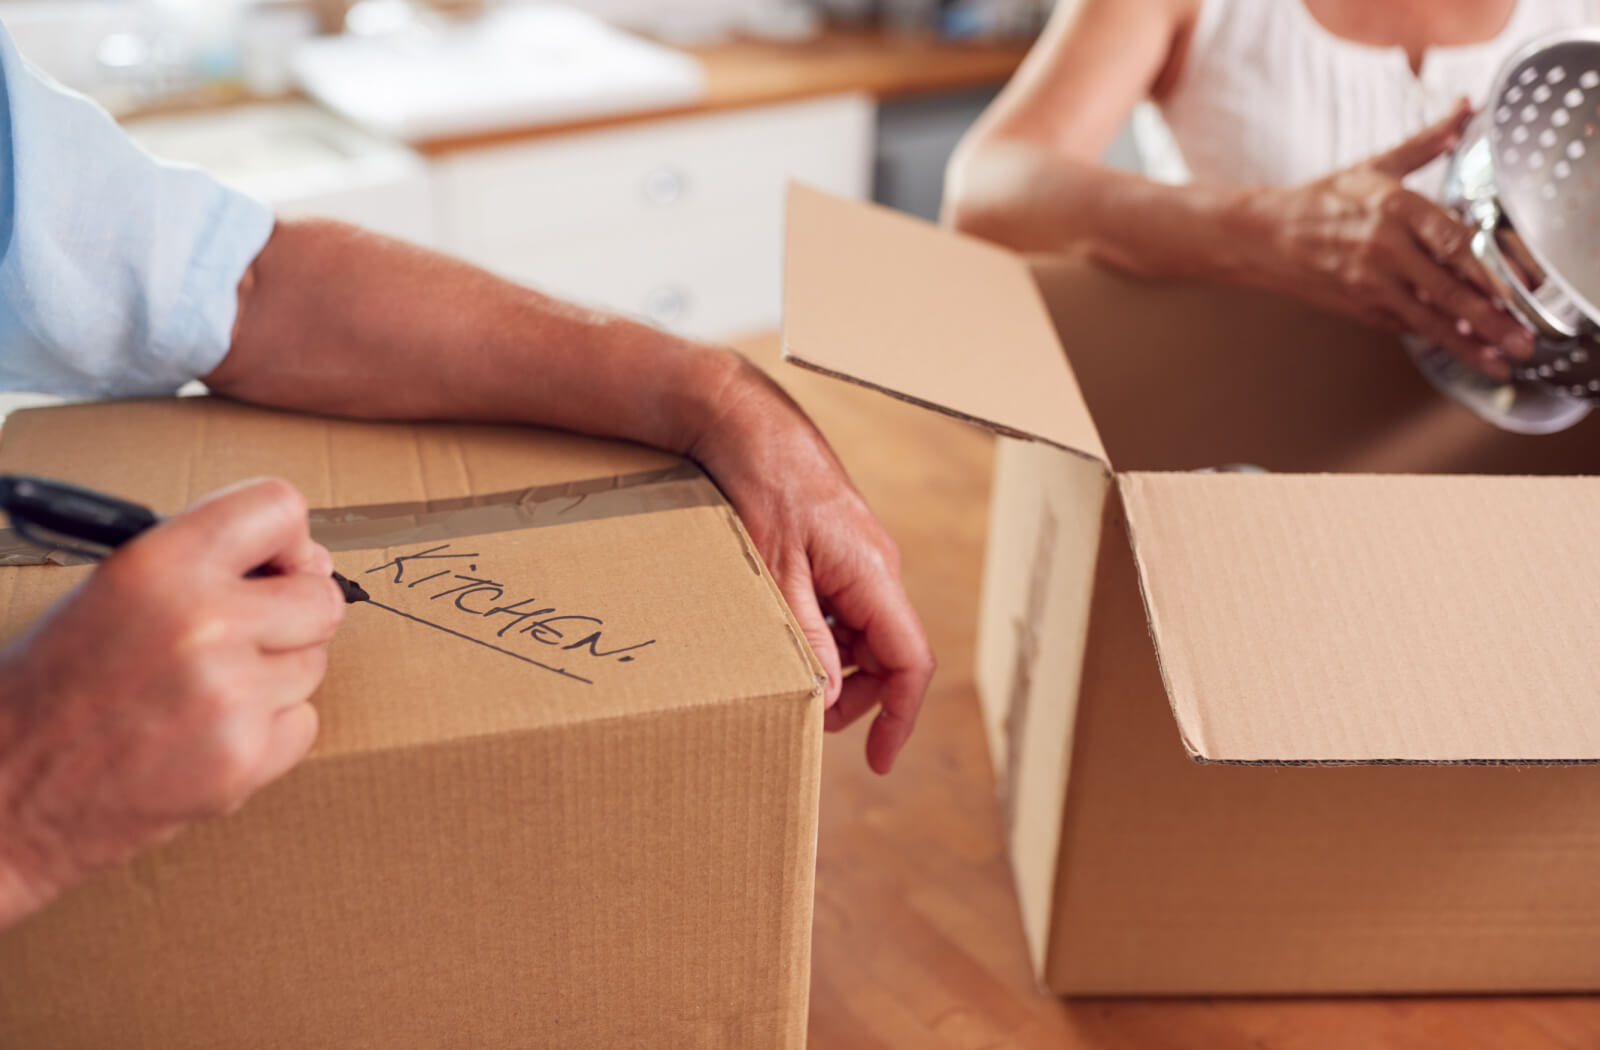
[[379, 525], [14, 550]]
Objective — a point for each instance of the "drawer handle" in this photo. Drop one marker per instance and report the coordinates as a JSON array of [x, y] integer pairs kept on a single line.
[[665, 186], [664, 307]]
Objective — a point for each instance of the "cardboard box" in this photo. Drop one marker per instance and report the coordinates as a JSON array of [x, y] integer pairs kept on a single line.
[[1358, 756], [573, 804]]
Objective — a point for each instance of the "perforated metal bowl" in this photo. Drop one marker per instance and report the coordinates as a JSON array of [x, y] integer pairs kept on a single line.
[[1527, 176]]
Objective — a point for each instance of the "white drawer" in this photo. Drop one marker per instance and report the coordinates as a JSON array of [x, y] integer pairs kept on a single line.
[[400, 208], [711, 279], [303, 161], [639, 178], [678, 222]]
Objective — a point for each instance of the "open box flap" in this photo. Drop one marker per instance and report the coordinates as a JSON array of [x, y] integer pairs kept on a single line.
[[1350, 618], [951, 323]]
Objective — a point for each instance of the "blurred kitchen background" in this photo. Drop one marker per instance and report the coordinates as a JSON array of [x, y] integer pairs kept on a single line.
[[631, 154]]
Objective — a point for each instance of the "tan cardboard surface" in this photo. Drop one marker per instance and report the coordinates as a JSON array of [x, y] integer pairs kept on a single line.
[[596, 619], [1396, 618], [1044, 542], [952, 323], [1172, 877], [566, 785], [1179, 878], [639, 882], [173, 452], [1183, 375]]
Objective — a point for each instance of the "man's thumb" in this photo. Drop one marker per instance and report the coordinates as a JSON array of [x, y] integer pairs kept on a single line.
[[1425, 145], [800, 592]]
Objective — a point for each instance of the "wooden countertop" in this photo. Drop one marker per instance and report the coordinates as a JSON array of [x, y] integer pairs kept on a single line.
[[742, 73]]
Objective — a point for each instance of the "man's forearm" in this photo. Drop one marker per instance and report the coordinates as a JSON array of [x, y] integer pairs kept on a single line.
[[336, 320]]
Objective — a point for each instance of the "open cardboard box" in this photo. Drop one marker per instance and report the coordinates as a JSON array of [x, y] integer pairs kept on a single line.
[[1359, 755], [565, 792]]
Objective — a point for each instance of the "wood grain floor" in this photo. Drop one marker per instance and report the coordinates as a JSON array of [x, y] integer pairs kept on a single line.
[[918, 942]]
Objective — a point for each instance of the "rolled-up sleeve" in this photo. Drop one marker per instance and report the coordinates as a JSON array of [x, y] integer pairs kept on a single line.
[[119, 274]]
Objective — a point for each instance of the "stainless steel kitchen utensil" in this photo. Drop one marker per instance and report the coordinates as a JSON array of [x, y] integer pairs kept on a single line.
[[1527, 177]]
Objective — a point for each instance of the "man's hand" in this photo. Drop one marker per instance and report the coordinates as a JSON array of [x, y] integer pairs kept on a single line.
[[838, 569], [165, 689], [346, 323]]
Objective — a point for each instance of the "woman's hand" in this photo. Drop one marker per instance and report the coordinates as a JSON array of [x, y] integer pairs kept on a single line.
[[838, 569], [1359, 243]]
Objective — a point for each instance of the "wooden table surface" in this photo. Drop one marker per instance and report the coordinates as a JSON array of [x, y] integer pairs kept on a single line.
[[918, 941]]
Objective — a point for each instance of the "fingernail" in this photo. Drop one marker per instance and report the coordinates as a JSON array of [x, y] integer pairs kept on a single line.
[[1520, 344], [1492, 364]]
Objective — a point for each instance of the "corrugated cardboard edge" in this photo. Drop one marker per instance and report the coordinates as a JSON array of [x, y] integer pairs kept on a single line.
[[1046, 522], [1196, 744], [892, 227], [1195, 748], [806, 865], [1105, 587], [556, 726], [758, 565], [790, 356]]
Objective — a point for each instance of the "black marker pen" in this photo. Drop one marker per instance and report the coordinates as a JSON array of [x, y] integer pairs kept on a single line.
[[58, 515]]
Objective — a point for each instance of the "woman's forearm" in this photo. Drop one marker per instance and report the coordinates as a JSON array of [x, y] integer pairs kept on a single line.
[[336, 320], [1355, 242], [1034, 201]]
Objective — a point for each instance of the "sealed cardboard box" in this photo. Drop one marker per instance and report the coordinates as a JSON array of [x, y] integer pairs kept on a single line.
[[565, 792], [1330, 729]]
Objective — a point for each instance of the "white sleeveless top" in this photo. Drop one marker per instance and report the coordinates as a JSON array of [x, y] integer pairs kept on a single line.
[[1267, 95]]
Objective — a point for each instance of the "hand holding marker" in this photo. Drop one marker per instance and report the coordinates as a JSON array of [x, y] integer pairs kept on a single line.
[[55, 514], [167, 686]]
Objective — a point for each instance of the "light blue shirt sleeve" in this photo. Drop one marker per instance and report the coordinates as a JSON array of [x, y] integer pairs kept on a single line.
[[119, 274]]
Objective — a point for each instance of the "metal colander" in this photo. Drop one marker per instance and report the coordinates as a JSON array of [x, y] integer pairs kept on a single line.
[[1526, 175], [1547, 162]]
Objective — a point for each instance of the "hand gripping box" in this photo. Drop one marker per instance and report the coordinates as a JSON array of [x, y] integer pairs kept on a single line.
[[565, 792], [1330, 729]]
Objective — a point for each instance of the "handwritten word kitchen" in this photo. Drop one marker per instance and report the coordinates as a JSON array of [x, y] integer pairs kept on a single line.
[[437, 570]]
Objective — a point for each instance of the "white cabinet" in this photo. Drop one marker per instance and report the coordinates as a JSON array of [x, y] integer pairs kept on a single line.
[[676, 221], [302, 161]]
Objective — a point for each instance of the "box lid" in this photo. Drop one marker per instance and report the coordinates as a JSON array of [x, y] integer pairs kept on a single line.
[[1393, 618], [870, 296], [1297, 619], [521, 578]]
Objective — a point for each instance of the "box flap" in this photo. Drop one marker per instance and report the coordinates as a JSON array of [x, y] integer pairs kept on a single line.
[[521, 577], [945, 321], [1347, 618]]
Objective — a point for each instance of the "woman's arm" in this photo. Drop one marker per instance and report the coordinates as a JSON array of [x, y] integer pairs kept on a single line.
[[1028, 175], [1355, 242]]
